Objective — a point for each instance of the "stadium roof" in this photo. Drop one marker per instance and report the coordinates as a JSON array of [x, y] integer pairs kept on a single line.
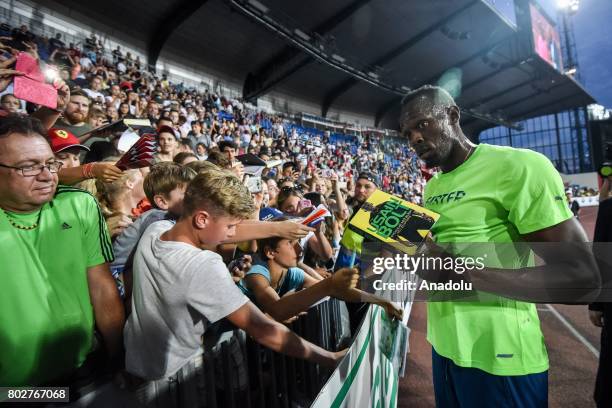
[[354, 55]]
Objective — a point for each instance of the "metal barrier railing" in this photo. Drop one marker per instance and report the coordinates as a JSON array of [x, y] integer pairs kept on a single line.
[[241, 373]]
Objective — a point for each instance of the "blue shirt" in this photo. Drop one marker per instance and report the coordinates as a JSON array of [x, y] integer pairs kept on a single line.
[[294, 280]]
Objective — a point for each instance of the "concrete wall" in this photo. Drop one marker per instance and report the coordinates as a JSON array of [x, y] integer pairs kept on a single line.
[[582, 179]]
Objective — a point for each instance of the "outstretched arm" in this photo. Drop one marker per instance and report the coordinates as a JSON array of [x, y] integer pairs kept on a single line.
[[279, 338], [283, 308], [251, 229]]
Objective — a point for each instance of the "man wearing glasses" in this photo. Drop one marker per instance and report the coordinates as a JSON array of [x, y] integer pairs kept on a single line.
[[55, 284]]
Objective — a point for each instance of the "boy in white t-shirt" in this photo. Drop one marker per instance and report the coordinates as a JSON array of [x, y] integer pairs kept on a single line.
[[181, 286]]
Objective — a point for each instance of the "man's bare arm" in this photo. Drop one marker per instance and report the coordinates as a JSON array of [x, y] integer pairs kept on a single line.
[[570, 269]]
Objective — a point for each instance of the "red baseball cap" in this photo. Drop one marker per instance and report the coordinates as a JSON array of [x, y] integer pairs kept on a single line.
[[61, 139], [126, 85]]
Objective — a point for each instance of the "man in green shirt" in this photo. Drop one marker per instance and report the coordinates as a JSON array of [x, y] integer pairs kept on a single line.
[[491, 352], [55, 284]]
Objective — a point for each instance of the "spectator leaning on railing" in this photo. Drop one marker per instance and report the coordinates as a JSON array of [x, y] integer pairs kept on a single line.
[[168, 261]]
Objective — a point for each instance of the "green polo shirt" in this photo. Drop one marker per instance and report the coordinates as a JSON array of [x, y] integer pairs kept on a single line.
[[495, 196], [46, 316]]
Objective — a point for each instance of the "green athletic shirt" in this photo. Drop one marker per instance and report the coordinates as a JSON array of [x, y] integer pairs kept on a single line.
[[46, 317], [496, 195]]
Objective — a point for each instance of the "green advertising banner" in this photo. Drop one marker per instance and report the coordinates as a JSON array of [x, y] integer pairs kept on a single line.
[[369, 374]]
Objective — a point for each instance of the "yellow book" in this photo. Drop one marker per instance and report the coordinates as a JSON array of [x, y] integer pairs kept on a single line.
[[395, 221]]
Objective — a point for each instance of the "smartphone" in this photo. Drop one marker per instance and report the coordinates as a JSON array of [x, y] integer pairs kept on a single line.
[[254, 184], [327, 173], [304, 204]]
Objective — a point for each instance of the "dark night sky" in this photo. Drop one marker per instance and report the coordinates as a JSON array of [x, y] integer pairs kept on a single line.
[[593, 32]]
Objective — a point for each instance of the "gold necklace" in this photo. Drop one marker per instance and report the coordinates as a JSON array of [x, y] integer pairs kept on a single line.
[[23, 227]]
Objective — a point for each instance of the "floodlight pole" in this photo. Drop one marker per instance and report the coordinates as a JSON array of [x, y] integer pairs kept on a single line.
[[568, 44], [570, 62]]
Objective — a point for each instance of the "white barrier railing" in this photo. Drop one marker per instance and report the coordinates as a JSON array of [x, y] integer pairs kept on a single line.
[[587, 201]]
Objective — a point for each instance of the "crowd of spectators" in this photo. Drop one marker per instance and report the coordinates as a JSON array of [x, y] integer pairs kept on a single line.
[[171, 248], [113, 85]]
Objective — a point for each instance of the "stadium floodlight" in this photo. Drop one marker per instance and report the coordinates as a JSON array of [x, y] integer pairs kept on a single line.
[[571, 71], [260, 7], [338, 58], [569, 5]]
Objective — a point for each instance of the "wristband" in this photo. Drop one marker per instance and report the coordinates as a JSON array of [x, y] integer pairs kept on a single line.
[[87, 170]]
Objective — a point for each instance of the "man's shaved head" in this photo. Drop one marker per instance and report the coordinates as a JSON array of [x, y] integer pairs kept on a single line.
[[428, 98]]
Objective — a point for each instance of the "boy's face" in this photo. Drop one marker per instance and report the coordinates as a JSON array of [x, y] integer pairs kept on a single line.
[[291, 205], [230, 152], [287, 253], [288, 171], [69, 158], [364, 189], [220, 229], [167, 142], [174, 200]]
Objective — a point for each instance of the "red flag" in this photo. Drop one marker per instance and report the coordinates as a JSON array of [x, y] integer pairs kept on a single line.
[[141, 154]]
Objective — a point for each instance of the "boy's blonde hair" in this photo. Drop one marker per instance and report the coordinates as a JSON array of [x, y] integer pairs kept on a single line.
[[165, 177], [108, 194], [201, 166], [220, 193]]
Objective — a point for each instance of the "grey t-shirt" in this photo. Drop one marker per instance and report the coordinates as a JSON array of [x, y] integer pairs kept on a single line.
[[179, 290], [125, 243]]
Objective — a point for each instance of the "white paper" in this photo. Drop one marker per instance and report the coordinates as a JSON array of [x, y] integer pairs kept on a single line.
[[127, 140]]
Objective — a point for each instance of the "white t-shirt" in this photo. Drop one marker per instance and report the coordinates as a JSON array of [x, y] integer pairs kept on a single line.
[[179, 290], [94, 94], [86, 63]]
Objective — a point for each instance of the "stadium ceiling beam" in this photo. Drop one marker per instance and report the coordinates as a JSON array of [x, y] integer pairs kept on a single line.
[[346, 85], [536, 109], [530, 96], [480, 80], [167, 24], [385, 107], [497, 120], [505, 91], [548, 104], [287, 61], [466, 60]]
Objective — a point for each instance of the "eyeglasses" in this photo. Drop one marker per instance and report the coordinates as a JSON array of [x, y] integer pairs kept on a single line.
[[31, 171]]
